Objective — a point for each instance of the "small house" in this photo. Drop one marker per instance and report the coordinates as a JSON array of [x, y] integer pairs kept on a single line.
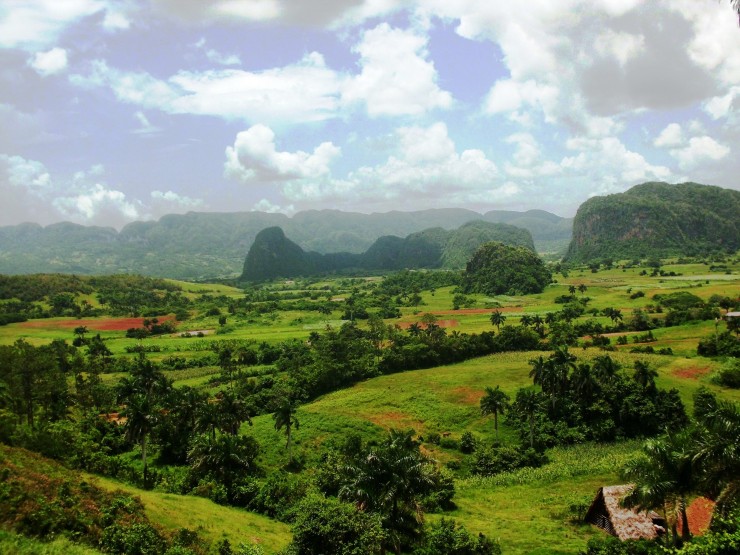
[[607, 513]]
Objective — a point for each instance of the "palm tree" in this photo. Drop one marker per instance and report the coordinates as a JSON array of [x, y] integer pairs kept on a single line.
[[226, 457], [415, 329], [140, 420], [285, 417], [539, 368], [552, 374], [614, 314], [644, 374], [207, 417], [572, 289], [526, 320], [605, 369], [664, 477], [528, 402], [497, 319], [582, 288], [539, 325], [584, 383], [494, 402], [718, 452], [232, 412], [390, 481]]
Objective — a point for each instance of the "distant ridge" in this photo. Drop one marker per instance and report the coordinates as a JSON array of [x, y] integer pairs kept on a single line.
[[273, 255], [200, 245], [657, 220]]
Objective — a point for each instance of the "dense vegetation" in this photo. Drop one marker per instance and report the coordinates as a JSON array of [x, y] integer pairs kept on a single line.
[[273, 255], [202, 245], [51, 295], [657, 220], [297, 401], [498, 269]]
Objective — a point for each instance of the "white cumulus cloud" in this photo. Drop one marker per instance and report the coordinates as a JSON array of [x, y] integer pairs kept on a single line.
[[306, 91], [49, 63], [672, 135], [699, 150], [254, 157], [426, 171], [36, 24], [397, 77], [99, 205], [172, 198]]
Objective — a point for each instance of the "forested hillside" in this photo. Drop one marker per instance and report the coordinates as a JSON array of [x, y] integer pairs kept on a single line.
[[205, 245], [273, 255], [657, 220]]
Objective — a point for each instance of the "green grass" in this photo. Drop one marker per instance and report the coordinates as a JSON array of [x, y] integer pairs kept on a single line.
[[529, 511], [538, 510], [213, 522], [14, 544]]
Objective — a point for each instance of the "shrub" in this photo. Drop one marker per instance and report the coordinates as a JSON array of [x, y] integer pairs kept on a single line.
[[330, 526], [137, 539], [450, 538], [729, 374], [495, 460], [468, 443]]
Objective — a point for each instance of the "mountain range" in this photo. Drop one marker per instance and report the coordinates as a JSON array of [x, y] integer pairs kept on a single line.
[[273, 255], [657, 220], [652, 219], [200, 245]]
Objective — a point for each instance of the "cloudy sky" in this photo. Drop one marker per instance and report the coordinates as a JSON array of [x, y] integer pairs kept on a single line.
[[120, 110]]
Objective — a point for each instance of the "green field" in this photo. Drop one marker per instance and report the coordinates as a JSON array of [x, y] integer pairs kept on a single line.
[[529, 510]]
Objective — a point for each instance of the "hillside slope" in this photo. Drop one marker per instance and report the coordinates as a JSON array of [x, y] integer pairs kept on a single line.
[[201, 245], [274, 255], [657, 219]]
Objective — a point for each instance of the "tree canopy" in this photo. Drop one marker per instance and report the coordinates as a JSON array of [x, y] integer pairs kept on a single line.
[[497, 269]]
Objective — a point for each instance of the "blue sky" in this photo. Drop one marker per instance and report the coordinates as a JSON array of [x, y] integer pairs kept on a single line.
[[120, 110]]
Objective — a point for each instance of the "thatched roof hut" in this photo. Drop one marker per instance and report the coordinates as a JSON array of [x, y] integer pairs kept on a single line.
[[607, 513]]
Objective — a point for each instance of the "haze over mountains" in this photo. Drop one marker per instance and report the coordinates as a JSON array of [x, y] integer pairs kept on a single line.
[[274, 255], [200, 245], [652, 219]]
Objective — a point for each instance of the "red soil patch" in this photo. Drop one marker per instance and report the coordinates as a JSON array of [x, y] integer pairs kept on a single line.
[[692, 373], [699, 513], [440, 323], [94, 324], [468, 395], [395, 419]]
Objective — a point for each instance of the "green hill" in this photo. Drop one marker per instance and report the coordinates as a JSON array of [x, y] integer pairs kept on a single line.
[[206, 245], [657, 220], [274, 255]]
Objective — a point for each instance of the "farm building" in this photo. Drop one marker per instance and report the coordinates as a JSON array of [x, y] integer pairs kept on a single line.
[[607, 513]]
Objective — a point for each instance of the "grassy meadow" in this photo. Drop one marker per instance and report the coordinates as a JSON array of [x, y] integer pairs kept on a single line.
[[530, 511]]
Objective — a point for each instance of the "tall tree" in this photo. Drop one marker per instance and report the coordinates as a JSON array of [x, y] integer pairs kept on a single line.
[[664, 477], [718, 450], [390, 481], [645, 374], [494, 402], [284, 415], [141, 393], [140, 421], [525, 407], [605, 369], [497, 319], [225, 457]]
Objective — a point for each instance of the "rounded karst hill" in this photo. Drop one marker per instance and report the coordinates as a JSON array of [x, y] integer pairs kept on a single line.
[[498, 269]]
